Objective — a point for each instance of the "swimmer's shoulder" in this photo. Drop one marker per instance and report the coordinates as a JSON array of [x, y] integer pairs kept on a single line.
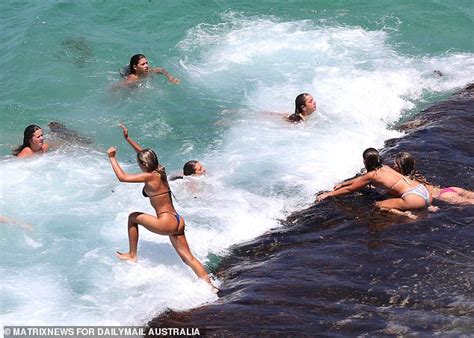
[[26, 152]]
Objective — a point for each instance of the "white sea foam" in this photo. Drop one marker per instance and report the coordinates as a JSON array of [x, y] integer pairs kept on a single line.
[[262, 169]]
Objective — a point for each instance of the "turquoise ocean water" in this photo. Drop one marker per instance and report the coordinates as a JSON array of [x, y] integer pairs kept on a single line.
[[368, 64]]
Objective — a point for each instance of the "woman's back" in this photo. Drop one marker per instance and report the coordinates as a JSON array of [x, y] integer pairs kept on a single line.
[[159, 193], [392, 181]]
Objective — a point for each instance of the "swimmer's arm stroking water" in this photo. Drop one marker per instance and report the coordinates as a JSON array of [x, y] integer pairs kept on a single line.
[[122, 175], [132, 143], [11, 221], [170, 78], [347, 187]]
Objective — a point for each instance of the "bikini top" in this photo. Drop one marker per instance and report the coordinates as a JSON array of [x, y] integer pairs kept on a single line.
[[383, 191], [161, 193]]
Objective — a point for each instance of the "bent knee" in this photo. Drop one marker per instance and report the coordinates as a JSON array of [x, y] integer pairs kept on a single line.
[[134, 215]]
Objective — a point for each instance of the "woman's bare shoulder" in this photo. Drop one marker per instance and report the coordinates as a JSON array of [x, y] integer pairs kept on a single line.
[[25, 152]]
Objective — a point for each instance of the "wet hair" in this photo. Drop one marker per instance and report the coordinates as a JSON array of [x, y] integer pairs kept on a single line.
[[407, 167], [372, 159], [149, 160], [134, 61], [300, 103], [189, 168], [27, 135]]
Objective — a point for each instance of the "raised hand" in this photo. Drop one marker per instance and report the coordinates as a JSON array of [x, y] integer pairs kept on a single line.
[[112, 151], [124, 129]]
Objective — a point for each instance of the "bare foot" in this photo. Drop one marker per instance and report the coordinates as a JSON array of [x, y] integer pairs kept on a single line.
[[410, 215], [126, 256], [214, 289], [433, 208]]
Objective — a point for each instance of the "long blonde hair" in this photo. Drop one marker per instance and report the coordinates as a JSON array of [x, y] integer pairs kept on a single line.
[[148, 158]]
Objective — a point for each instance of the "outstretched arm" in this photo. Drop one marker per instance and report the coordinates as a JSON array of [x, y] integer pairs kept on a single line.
[[122, 175], [132, 143], [170, 78], [347, 187]]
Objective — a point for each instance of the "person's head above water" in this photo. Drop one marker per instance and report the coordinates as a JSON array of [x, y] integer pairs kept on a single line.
[[193, 167], [33, 138], [138, 64], [147, 160], [405, 163], [304, 106], [372, 159]]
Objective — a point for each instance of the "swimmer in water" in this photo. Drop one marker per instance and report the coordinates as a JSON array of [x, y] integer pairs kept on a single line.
[[139, 70], [190, 168], [305, 105], [33, 142]]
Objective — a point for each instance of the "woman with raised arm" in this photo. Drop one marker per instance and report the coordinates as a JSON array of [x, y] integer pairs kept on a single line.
[[408, 194], [33, 142], [166, 221], [405, 164], [139, 70]]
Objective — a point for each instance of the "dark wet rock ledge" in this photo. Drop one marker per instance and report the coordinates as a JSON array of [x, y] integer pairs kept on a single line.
[[343, 268]]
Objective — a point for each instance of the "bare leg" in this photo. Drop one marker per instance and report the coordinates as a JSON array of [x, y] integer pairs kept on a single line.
[[399, 212], [182, 248], [165, 224], [465, 193], [132, 239], [410, 202], [459, 196]]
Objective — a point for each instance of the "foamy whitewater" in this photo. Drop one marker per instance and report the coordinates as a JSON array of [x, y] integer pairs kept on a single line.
[[260, 168]]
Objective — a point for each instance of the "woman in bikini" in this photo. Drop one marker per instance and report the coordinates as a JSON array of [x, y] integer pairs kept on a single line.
[[166, 221], [405, 164], [409, 194], [33, 142]]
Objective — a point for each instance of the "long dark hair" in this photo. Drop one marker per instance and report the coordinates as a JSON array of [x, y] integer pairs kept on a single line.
[[407, 166], [372, 159], [27, 135], [189, 168], [134, 61], [300, 103]]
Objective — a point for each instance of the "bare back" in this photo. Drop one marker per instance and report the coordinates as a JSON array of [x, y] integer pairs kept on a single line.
[[392, 181], [159, 193]]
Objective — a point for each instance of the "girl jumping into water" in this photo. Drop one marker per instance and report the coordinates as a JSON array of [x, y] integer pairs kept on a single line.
[[166, 221]]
